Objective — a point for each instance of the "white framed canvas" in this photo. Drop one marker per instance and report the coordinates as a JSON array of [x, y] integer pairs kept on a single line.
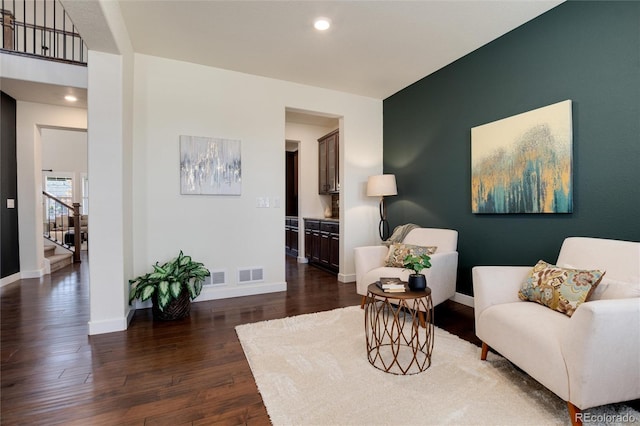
[[210, 166], [523, 163]]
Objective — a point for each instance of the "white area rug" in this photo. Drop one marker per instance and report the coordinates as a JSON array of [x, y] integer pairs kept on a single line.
[[313, 370]]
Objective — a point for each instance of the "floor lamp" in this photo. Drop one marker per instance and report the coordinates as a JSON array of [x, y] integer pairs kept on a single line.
[[381, 186]]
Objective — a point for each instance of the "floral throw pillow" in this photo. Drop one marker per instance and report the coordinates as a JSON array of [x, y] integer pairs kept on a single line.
[[398, 251], [561, 289]]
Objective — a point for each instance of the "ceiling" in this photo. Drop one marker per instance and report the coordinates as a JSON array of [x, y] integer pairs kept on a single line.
[[373, 48], [29, 91]]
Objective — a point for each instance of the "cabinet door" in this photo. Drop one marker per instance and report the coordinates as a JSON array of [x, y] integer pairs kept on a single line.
[[322, 167], [324, 248], [334, 251], [292, 237], [315, 246], [328, 163], [287, 238], [312, 240], [286, 233], [332, 163], [293, 243], [308, 243]]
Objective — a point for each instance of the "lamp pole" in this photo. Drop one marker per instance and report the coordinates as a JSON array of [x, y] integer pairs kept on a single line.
[[381, 186], [383, 226]]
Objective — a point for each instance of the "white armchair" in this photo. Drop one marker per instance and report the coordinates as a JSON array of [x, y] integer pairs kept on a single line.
[[588, 359], [441, 277]]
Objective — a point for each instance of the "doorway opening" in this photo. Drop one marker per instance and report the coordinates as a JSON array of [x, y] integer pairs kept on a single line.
[[303, 131]]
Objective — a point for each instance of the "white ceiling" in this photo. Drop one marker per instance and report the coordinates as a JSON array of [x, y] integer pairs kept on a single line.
[[373, 49], [29, 91]]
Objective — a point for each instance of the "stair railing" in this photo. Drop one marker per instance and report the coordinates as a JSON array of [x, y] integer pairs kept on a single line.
[[40, 28], [55, 208]]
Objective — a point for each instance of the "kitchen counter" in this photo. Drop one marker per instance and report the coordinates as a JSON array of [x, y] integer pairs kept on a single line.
[[330, 219]]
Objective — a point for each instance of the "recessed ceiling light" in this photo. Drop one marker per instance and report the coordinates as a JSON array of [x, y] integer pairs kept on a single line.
[[322, 24], [70, 98]]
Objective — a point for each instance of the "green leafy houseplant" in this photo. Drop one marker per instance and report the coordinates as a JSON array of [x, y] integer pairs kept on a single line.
[[169, 282], [417, 281], [417, 263]]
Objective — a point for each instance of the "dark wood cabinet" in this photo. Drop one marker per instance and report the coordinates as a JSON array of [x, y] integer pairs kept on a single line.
[[328, 163], [291, 236], [322, 243], [334, 251], [312, 240]]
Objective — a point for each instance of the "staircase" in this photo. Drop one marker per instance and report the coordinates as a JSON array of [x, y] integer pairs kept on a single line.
[[57, 233], [53, 261]]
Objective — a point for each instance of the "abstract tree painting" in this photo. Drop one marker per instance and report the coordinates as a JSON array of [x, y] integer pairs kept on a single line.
[[523, 163], [210, 166]]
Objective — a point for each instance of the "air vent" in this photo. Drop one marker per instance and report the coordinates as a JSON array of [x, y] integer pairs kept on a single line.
[[250, 275], [217, 277]]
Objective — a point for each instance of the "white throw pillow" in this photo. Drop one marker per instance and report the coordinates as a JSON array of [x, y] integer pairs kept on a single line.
[[614, 289]]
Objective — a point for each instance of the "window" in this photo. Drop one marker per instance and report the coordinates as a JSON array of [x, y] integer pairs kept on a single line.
[[85, 194], [60, 187]]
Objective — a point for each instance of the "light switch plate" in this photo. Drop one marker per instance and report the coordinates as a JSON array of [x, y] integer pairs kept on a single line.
[[262, 202]]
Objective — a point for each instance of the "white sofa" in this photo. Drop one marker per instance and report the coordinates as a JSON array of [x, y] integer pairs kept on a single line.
[[588, 359], [441, 277]]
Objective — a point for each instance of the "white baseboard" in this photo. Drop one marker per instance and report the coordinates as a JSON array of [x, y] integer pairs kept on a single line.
[[463, 299], [130, 315], [10, 279], [38, 273], [302, 259], [347, 278], [215, 292], [226, 291], [108, 326]]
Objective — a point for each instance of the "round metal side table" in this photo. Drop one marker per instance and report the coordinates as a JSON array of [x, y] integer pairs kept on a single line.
[[399, 330]]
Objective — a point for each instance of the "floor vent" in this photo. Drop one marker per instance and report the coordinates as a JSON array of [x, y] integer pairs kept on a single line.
[[216, 278], [250, 275]]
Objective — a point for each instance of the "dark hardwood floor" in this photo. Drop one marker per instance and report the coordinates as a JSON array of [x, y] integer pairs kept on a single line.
[[187, 372]]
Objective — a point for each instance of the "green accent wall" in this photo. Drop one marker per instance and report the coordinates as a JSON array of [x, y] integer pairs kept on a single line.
[[585, 51]]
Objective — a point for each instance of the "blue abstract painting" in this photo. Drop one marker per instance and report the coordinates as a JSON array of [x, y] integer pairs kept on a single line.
[[523, 163], [210, 166]]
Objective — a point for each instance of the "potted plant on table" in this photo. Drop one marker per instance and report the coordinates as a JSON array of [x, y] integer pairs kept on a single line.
[[417, 281], [171, 287]]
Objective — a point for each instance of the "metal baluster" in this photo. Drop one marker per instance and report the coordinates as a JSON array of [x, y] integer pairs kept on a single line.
[[64, 39], [55, 33]]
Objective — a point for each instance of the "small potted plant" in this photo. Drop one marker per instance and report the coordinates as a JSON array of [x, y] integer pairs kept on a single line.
[[417, 281], [171, 287]]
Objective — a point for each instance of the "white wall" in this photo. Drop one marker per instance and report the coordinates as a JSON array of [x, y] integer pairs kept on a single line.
[[110, 104], [109, 308], [39, 71], [30, 119], [174, 98]]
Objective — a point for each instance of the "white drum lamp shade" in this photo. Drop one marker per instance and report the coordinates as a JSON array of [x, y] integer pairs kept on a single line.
[[381, 186]]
